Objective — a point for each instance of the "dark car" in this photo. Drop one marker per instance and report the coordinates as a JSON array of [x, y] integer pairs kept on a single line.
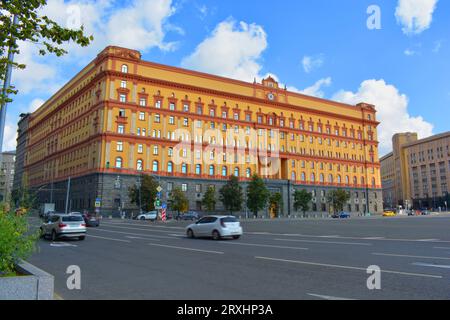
[[91, 220], [342, 215], [189, 216]]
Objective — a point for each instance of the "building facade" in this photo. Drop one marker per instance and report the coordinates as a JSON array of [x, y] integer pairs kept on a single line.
[[7, 175], [20, 152], [417, 172], [121, 117]]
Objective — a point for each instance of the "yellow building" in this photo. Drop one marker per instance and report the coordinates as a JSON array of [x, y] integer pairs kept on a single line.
[[122, 116], [417, 172]]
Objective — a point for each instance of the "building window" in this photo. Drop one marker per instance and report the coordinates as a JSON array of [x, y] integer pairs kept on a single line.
[[170, 167], [170, 152], [142, 116], [155, 167], [155, 150], [211, 170], [184, 187], [124, 68], [186, 122], [140, 148], [236, 172], [199, 110], [293, 177], [138, 131], [157, 118], [248, 173], [198, 188], [172, 106], [313, 177], [139, 165], [186, 108], [169, 186], [158, 104], [171, 120], [198, 169], [123, 98], [120, 146], [224, 171], [118, 162], [123, 84], [184, 168], [120, 129]]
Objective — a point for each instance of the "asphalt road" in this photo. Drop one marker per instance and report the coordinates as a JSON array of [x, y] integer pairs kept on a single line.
[[283, 259]]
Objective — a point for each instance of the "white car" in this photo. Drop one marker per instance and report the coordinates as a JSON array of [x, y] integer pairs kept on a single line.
[[152, 215], [216, 227]]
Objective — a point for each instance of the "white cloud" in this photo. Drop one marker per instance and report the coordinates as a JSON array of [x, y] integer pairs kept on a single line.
[[10, 137], [409, 52], [316, 89], [35, 104], [232, 50], [415, 15], [310, 63], [392, 111]]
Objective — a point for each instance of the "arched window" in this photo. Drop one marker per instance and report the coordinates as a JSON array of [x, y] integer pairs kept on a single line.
[[139, 165], [211, 170], [293, 176], [363, 181], [198, 169], [118, 162], [373, 183], [330, 178], [184, 168], [339, 180], [303, 177], [155, 167], [224, 171], [248, 173], [170, 167], [236, 172], [322, 178], [347, 180], [313, 177], [124, 68], [355, 181]]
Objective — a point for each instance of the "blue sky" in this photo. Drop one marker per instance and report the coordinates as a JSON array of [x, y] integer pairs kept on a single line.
[[318, 47]]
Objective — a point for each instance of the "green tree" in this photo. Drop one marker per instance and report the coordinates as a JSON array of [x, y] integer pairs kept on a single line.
[[337, 199], [17, 241], [257, 195], [35, 28], [276, 203], [148, 193], [23, 198], [178, 201], [302, 198], [209, 199], [231, 195]]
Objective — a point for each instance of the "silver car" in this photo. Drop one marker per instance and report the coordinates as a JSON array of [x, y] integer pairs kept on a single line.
[[216, 227], [64, 226]]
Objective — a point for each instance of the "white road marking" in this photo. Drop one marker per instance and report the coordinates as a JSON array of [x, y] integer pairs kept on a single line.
[[427, 240], [62, 244], [134, 234], [184, 248], [374, 238], [141, 238], [421, 264], [327, 297], [262, 245], [138, 229], [110, 239], [326, 242], [335, 236], [408, 256], [349, 267], [141, 225], [179, 235]]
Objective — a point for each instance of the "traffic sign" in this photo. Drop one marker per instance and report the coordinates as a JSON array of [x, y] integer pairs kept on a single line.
[[158, 195], [164, 206], [159, 189], [98, 203]]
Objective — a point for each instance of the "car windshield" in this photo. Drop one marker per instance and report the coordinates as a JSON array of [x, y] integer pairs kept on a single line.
[[72, 219], [229, 220]]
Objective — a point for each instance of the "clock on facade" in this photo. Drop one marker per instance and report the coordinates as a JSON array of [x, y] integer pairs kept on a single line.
[[271, 96]]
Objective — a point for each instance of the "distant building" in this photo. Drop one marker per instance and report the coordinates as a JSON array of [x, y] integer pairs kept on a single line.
[[20, 151], [7, 175], [417, 172]]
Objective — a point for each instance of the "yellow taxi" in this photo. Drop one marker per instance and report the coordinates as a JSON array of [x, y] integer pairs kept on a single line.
[[389, 213]]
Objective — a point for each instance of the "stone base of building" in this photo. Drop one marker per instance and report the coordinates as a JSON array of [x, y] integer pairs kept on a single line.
[[112, 191]]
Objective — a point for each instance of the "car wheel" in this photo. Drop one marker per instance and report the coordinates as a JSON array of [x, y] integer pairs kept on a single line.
[[82, 238], [54, 237], [190, 234], [216, 235], [142, 218], [236, 237]]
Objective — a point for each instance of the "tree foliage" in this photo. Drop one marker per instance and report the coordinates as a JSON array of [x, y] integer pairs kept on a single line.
[[276, 203], [257, 195], [209, 199], [337, 199], [302, 198], [148, 193], [16, 241], [35, 28], [178, 201], [231, 195]]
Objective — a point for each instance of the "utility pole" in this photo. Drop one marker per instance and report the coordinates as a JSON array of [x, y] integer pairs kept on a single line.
[[67, 196], [6, 85]]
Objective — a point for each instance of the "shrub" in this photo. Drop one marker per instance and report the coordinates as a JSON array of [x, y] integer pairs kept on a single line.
[[16, 241]]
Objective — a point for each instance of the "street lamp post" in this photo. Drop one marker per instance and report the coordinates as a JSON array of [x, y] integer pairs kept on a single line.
[[139, 184]]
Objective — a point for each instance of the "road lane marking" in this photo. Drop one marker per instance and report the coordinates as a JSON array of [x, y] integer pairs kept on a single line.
[[374, 238], [178, 235], [327, 242], [62, 245], [349, 267], [184, 248], [427, 240], [443, 248], [138, 229], [407, 256], [141, 225], [335, 236], [328, 297], [141, 238], [110, 239], [135, 234], [421, 264], [262, 245]]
